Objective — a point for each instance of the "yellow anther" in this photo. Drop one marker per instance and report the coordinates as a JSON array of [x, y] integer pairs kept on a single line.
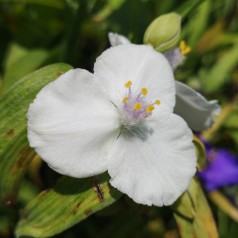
[[128, 84], [124, 100], [144, 91], [184, 48], [182, 45], [150, 108], [157, 102], [137, 106]]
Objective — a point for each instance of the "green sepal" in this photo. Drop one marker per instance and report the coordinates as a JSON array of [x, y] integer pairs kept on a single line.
[[202, 225], [184, 207], [201, 152]]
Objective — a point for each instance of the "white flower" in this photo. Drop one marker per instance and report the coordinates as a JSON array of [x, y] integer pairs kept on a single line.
[[118, 119], [198, 112], [194, 108], [117, 39]]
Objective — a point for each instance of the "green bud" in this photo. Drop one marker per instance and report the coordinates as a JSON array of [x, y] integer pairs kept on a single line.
[[164, 32]]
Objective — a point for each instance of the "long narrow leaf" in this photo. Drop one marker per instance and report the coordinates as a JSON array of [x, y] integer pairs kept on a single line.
[[68, 203], [15, 155]]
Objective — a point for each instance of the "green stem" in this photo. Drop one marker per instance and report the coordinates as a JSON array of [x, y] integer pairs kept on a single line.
[[211, 133]]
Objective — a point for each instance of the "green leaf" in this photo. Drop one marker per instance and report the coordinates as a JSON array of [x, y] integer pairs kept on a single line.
[[211, 37], [219, 74], [224, 204], [199, 23], [7, 217], [233, 231], [227, 110], [188, 7], [23, 66], [108, 9], [232, 120], [48, 3], [202, 225], [68, 203], [27, 192], [223, 223], [14, 53], [15, 155], [234, 135]]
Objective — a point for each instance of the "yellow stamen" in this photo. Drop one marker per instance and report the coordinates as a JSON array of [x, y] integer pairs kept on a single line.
[[157, 102], [184, 48], [150, 108], [137, 106], [128, 84], [182, 45], [144, 91], [124, 100]]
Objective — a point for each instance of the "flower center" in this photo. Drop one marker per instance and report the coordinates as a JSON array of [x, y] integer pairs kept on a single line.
[[135, 107]]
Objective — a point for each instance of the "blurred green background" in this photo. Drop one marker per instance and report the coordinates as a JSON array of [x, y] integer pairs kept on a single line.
[[36, 33]]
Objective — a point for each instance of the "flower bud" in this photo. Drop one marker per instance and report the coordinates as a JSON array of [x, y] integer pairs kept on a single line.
[[163, 33]]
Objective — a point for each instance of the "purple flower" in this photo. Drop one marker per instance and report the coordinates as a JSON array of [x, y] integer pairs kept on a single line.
[[222, 169]]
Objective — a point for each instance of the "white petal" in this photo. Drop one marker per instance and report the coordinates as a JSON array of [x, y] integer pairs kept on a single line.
[[117, 39], [154, 163], [140, 64], [175, 57], [194, 108], [71, 124]]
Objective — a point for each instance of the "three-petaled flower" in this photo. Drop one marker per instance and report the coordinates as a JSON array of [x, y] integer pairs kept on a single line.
[[118, 119], [190, 105]]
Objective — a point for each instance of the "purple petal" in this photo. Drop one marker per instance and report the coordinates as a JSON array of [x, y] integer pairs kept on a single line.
[[222, 169]]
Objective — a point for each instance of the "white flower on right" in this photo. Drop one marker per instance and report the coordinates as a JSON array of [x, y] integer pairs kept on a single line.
[[197, 111], [194, 108], [119, 119]]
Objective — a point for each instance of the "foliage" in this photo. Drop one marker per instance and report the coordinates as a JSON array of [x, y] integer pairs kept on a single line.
[[36, 37]]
